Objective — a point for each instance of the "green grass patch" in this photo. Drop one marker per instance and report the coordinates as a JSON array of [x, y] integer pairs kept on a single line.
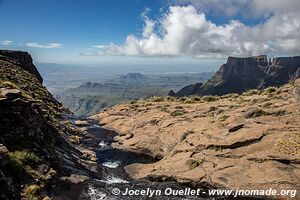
[[23, 157]]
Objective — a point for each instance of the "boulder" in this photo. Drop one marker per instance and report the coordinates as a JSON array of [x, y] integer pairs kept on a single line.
[[10, 93], [3, 150], [74, 179], [81, 123]]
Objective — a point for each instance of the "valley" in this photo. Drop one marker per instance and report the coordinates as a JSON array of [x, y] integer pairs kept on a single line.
[[92, 97]]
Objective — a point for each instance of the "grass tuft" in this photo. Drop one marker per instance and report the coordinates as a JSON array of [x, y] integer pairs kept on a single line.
[[177, 113], [8, 84], [192, 163]]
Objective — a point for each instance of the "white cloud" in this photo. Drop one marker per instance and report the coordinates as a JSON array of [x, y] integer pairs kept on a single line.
[[6, 42], [185, 31], [45, 46], [248, 8], [99, 46]]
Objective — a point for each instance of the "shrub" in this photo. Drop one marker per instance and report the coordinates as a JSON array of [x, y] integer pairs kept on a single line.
[[192, 163], [223, 118], [196, 98], [255, 113], [265, 105], [212, 108], [188, 101], [178, 113], [279, 113], [255, 101], [270, 90], [170, 98], [162, 108], [209, 98], [290, 144], [251, 92], [133, 102], [182, 99], [157, 99], [32, 192], [232, 95], [242, 100], [259, 112]]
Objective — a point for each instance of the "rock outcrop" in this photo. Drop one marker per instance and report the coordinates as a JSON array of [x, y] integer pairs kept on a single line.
[[39, 149], [241, 74], [248, 141], [21, 59]]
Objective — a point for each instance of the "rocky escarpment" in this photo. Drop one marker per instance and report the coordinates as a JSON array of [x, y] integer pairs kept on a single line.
[[39, 150], [241, 74], [247, 141], [21, 59]]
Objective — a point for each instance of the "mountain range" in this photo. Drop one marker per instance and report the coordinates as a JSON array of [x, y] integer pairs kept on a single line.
[[241, 74], [91, 97]]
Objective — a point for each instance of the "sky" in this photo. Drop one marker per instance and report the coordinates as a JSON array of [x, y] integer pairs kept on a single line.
[[152, 31]]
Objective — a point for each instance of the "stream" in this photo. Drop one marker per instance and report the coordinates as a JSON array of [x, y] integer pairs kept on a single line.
[[115, 180]]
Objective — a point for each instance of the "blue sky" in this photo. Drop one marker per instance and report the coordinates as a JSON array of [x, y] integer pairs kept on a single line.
[[77, 25], [118, 31]]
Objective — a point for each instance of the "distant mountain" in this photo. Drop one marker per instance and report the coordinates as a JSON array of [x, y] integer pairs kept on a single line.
[[92, 97], [133, 79], [241, 74]]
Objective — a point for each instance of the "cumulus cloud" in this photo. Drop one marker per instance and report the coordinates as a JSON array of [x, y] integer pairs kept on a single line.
[[248, 8], [186, 31], [6, 42], [45, 46]]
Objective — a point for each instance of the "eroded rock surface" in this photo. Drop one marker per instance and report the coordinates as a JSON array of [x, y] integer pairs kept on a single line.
[[233, 141]]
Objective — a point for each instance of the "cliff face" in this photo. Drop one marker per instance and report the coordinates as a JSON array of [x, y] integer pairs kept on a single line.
[[37, 147], [282, 70], [21, 59], [241, 74]]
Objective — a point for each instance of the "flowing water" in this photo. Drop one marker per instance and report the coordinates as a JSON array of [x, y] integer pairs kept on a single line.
[[114, 179]]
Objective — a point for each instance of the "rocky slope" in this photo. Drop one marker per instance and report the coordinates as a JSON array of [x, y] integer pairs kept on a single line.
[[241, 74], [247, 141], [21, 59], [39, 151]]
